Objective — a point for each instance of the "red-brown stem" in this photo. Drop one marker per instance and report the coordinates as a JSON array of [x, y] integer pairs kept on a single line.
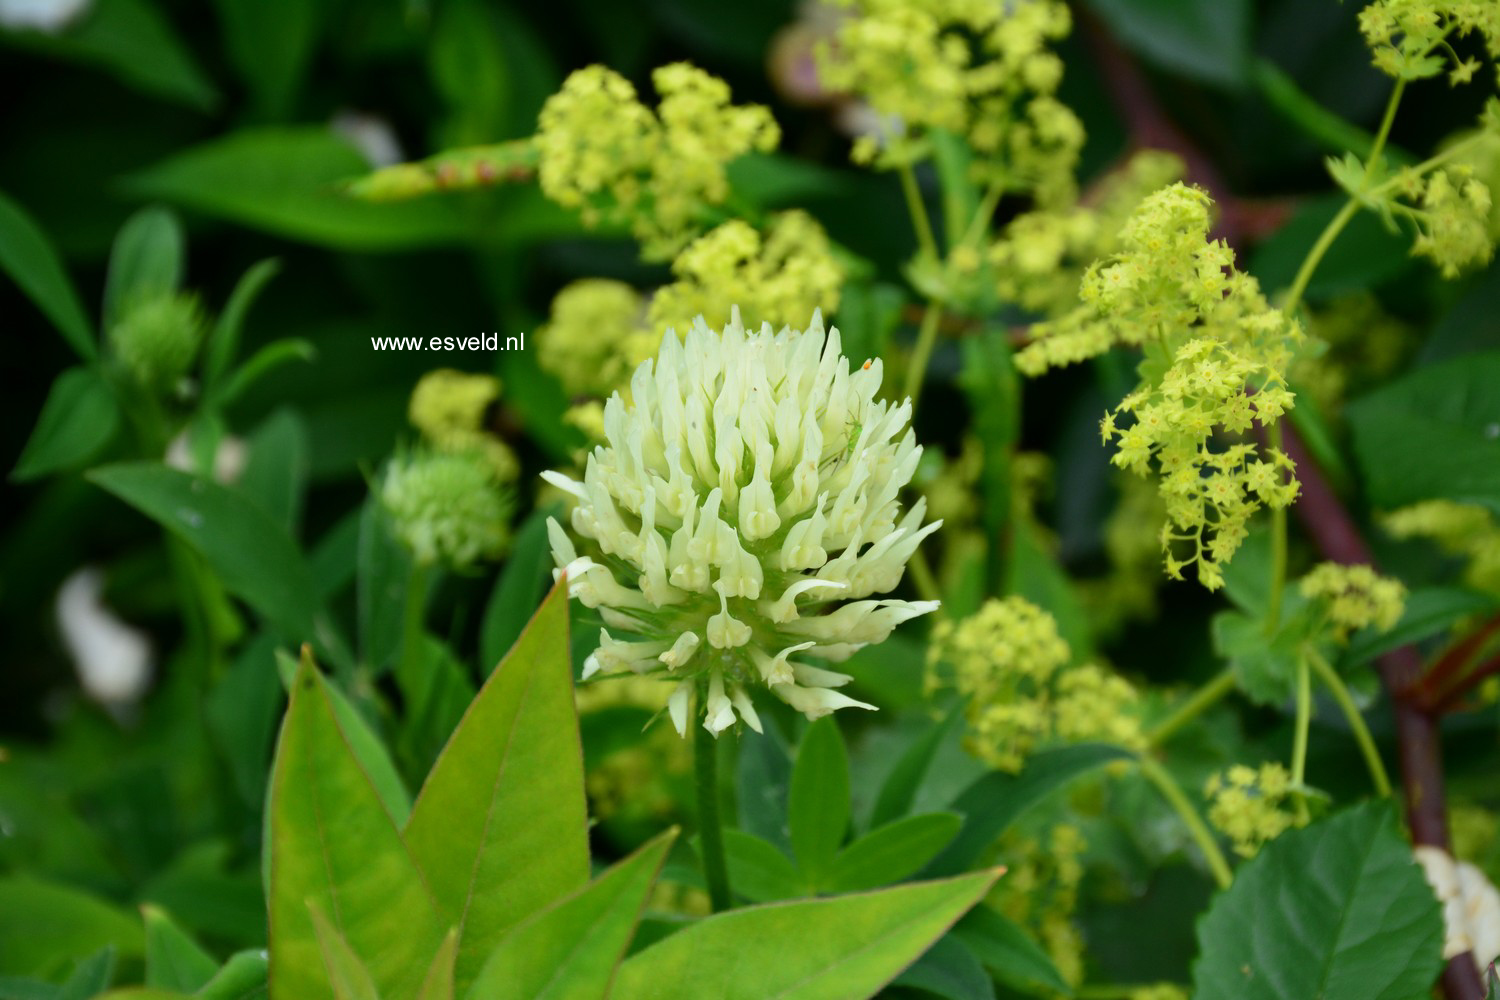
[[1453, 674]]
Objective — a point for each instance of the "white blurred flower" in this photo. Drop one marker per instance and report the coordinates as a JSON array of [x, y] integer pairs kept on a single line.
[[112, 658], [1471, 906], [229, 459], [371, 134], [48, 16], [744, 503]]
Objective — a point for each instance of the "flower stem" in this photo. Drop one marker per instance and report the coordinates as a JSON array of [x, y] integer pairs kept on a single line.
[[710, 833], [1362, 736], [916, 371], [1299, 737], [1178, 800], [1201, 701], [918, 209], [411, 627]]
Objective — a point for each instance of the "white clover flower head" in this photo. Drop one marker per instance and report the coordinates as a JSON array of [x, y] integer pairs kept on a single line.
[[742, 513]]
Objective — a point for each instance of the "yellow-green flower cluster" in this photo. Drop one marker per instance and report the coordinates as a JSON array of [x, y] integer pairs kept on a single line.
[[1009, 663], [1211, 341], [742, 510], [448, 407], [589, 334], [976, 68], [1040, 891], [157, 339], [1410, 37], [1450, 209], [1466, 530], [448, 508], [1354, 597], [634, 782], [605, 153], [1251, 806], [1040, 258], [779, 278]]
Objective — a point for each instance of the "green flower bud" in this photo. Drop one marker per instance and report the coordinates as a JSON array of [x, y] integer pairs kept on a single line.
[[158, 339], [448, 508]]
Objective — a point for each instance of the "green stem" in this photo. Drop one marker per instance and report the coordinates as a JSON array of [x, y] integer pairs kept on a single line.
[[1362, 736], [1315, 255], [1385, 128], [1299, 737], [1201, 701], [983, 214], [921, 354], [922, 577], [918, 209], [1278, 545], [710, 832], [1178, 800], [411, 627]]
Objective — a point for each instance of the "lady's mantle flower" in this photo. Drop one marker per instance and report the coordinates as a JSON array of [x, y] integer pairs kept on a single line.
[[1251, 807], [742, 505], [1355, 597]]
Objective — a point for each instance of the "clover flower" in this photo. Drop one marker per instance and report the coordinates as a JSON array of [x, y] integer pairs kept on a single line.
[[1251, 806], [447, 508], [1216, 357], [1010, 664], [741, 512], [1354, 597], [448, 407], [1471, 905], [157, 338], [605, 153]]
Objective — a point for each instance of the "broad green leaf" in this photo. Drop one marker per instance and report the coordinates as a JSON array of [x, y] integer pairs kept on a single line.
[[1011, 956], [333, 845], [174, 961], [436, 698], [828, 949], [1208, 40], [27, 256], [251, 554], [1433, 434], [1265, 667], [270, 43], [900, 787], [57, 924], [818, 803], [382, 573], [243, 977], [890, 853], [282, 180], [993, 802], [949, 970], [134, 42], [1338, 910], [145, 263], [439, 982], [466, 60], [571, 948], [90, 977], [763, 771], [1429, 611], [346, 973], [521, 585], [224, 340], [275, 472], [758, 869], [500, 829], [21, 988], [78, 420]]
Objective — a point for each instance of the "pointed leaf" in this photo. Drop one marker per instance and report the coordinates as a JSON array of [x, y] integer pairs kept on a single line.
[[242, 978], [224, 341], [521, 585], [1012, 957], [501, 827], [1338, 910], [818, 804], [90, 976], [78, 420], [350, 979], [571, 948], [58, 923], [844, 946], [900, 787], [439, 982], [174, 961], [27, 256], [949, 970], [893, 852], [333, 844], [145, 262], [759, 870]]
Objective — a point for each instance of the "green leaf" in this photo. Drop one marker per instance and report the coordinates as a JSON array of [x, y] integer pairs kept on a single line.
[[1265, 667], [334, 845], [174, 961], [439, 982], [261, 364], [571, 948], [346, 973], [1208, 40], [893, 852], [243, 977], [953, 158], [250, 553], [1429, 611], [842, 946], [1365, 256], [993, 388], [500, 829], [949, 970], [1432, 434], [283, 181], [382, 569], [521, 585], [758, 869], [242, 710], [78, 421], [270, 43], [275, 472], [224, 341], [58, 924], [994, 801], [466, 60], [900, 788], [90, 976], [27, 256], [1338, 910], [1011, 956], [818, 803], [1035, 575], [145, 262]]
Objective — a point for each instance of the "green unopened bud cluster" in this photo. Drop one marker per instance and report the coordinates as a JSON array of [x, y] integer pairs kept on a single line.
[[157, 339], [447, 508]]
